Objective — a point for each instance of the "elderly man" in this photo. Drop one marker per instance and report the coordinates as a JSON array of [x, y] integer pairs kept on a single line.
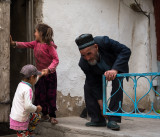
[[102, 55]]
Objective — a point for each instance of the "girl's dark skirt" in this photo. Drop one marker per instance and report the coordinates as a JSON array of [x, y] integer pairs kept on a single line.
[[45, 94]]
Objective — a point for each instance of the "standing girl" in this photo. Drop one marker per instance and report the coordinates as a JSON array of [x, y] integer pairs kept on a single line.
[[46, 59]]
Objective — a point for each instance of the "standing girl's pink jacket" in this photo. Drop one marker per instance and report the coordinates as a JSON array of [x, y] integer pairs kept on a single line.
[[45, 55]]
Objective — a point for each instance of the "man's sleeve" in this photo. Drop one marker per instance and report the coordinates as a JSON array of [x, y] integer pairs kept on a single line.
[[121, 52]]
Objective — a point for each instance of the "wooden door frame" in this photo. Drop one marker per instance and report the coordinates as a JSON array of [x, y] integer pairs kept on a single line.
[[30, 29]]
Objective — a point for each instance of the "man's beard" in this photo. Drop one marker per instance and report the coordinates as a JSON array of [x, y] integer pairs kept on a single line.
[[94, 61]]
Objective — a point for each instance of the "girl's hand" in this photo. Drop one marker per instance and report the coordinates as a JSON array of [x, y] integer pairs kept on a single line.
[[13, 43], [45, 72]]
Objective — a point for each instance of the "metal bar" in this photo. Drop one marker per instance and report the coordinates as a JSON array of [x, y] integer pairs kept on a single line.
[[133, 115], [138, 74], [135, 100], [104, 94]]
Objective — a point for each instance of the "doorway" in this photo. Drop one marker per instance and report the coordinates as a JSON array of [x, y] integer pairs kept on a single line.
[[156, 4], [21, 29]]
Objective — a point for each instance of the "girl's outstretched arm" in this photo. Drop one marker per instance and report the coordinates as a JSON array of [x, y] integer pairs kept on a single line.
[[22, 44], [26, 44]]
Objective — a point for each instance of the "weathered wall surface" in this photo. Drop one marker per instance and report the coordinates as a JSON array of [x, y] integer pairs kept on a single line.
[[114, 18], [69, 106], [4, 60], [37, 13], [138, 32]]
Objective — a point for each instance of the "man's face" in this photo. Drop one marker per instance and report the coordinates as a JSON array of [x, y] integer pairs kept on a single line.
[[90, 54]]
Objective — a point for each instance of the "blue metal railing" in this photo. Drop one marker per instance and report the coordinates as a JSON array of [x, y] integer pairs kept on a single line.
[[135, 112]]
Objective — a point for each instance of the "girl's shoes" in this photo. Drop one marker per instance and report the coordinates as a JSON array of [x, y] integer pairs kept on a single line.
[[53, 120], [45, 118]]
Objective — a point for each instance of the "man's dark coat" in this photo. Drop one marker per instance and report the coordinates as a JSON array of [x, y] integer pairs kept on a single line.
[[115, 55]]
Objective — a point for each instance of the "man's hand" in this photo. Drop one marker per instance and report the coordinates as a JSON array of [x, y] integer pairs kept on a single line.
[[110, 74], [100, 102]]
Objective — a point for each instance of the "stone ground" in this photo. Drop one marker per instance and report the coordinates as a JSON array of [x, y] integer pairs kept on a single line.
[[75, 127]]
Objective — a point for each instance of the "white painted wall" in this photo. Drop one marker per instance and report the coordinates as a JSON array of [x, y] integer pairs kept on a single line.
[[70, 18]]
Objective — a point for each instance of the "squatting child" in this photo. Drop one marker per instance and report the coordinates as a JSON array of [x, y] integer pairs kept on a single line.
[[24, 115]]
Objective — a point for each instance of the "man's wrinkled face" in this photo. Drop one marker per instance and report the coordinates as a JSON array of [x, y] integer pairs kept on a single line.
[[91, 54]]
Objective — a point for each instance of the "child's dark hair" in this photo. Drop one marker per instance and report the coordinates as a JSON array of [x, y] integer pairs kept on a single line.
[[46, 31]]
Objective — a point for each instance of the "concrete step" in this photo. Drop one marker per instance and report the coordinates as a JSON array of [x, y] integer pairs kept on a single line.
[[75, 127]]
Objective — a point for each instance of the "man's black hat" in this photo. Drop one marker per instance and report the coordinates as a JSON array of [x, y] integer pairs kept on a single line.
[[84, 41]]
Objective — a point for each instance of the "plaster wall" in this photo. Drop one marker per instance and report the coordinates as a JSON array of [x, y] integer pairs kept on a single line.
[[4, 60], [70, 18]]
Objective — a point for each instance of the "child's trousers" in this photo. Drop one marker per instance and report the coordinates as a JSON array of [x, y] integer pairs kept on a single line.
[[34, 119]]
